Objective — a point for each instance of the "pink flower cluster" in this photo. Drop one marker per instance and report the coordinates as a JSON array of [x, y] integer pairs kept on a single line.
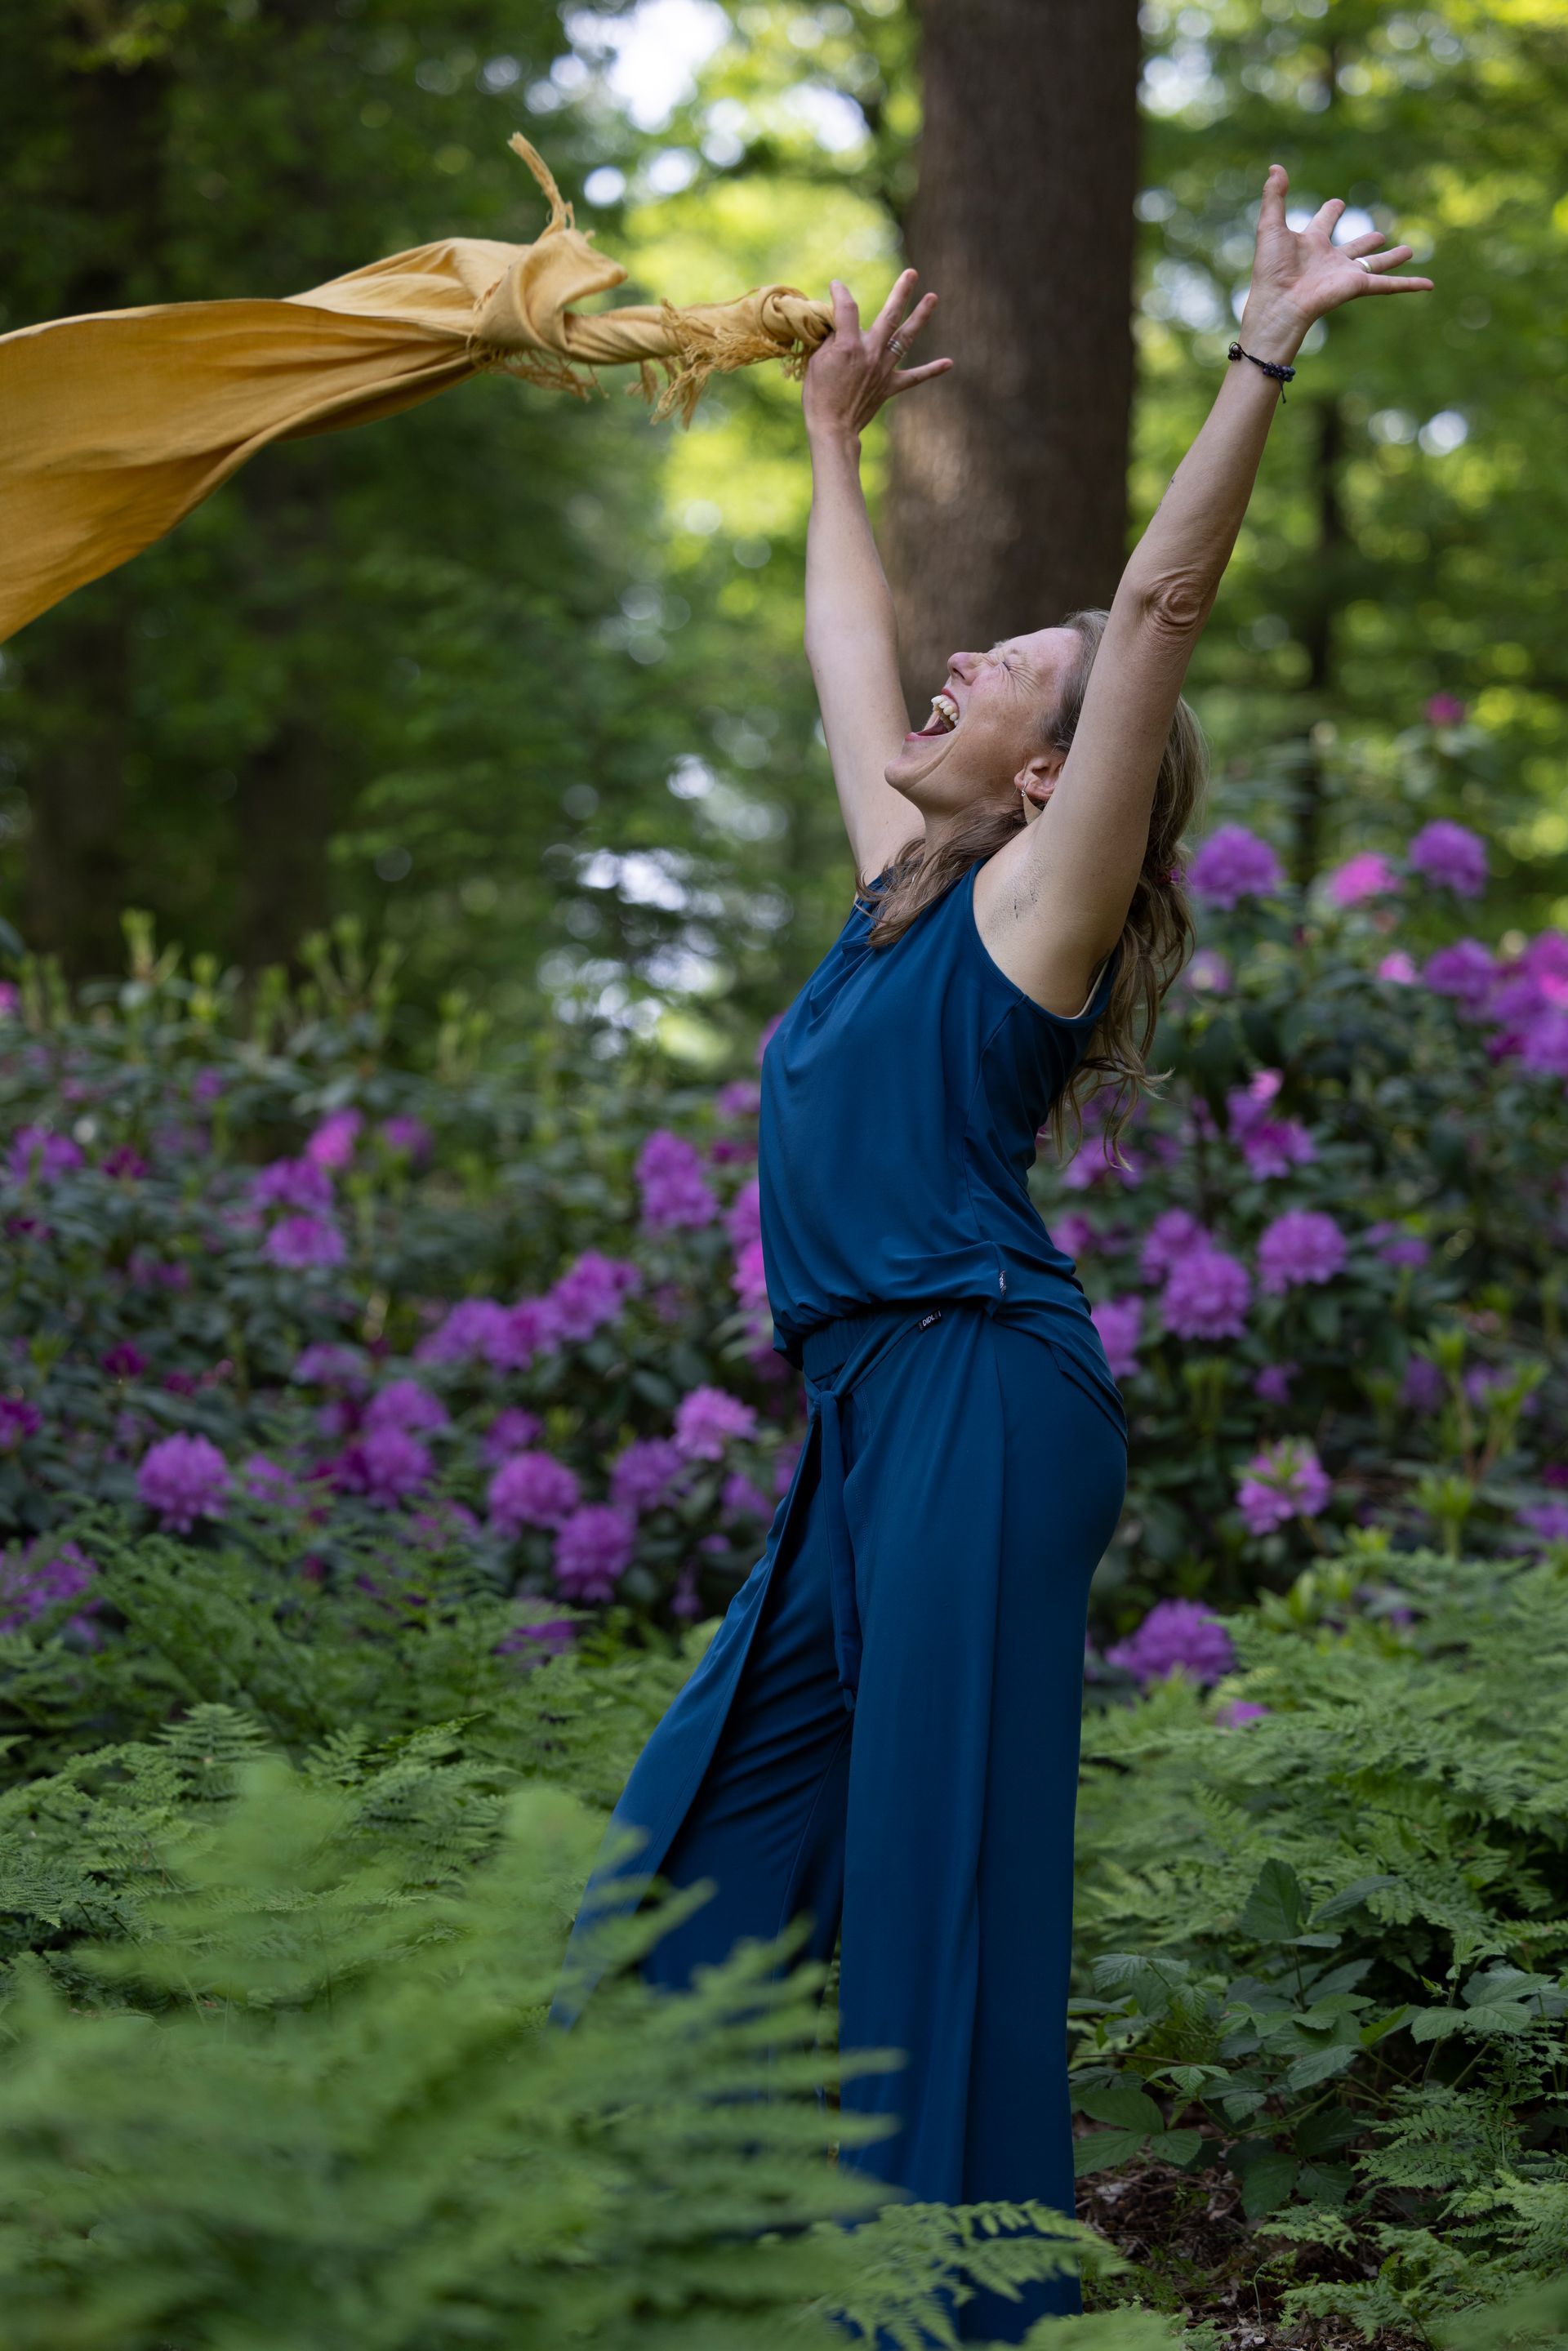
[[184, 1479], [674, 1185], [591, 1293], [1270, 1146], [1286, 1480], [1176, 1636]]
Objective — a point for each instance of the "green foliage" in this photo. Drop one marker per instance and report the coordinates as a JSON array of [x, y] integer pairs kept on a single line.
[[1349, 1985], [300, 2087]]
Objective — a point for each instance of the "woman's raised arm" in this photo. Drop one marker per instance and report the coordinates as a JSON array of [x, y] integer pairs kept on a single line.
[[1054, 901], [850, 640]]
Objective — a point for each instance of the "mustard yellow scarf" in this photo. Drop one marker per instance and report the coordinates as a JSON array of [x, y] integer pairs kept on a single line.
[[114, 426]]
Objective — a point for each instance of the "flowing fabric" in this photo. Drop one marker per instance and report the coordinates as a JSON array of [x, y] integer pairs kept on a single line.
[[117, 423]]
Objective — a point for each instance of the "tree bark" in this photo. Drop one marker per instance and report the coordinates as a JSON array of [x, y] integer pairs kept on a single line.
[[1008, 504]]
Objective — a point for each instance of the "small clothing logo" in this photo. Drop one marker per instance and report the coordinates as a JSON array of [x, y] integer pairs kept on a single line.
[[926, 1320]]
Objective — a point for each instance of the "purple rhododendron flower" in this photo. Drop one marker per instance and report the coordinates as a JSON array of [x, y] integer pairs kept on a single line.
[[591, 1293], [1445, 710], [641, 1478], [531, 1328], [328, 1364], [266, 1480], [1233, 864], [411, 1136], [537, 1639], [1207, 1296], [1303, 1244], [1465, 971], [1275, 1145], [1173, 1236], [124, 1361], [1399, 967], [592, 1549], [475, 1326], [685, 1600], [386, 1466], [1239, 1710], [1117, 1321], [45, 1575], [1074, 1233], [743, 1218], [1209, 972], [1365, 875], [741, 1098], [332, 1144], [1547, 1520], [510, 1432], [1176, 1636], [404, 1404], [532, 1489], [706, 1419], [1423, 1387], [785, 1463], [1285, 1481], [673, 1184], [291, 1183], [300, 1243], [749, 1279], [1450, 855], [1544, 1046], [18, 1421], [1273, 1382], [36, 1151], [1395, 1244], [184, 1479], [742, 1499], [124, 1162]]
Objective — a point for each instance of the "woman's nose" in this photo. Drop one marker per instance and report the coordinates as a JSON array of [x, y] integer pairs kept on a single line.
[[964, 663]]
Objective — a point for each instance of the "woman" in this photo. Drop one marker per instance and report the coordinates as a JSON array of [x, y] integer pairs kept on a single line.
[[883, 1735]]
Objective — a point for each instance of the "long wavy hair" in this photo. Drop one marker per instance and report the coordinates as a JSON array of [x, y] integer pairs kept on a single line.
[[1157, 938]]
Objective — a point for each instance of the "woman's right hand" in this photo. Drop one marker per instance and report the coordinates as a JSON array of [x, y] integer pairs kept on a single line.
[[850, 376]]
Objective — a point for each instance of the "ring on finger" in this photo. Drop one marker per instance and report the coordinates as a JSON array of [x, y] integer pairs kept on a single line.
[[897, 346]]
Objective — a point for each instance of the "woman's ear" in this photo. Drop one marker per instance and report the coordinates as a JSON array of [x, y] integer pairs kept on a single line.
[[1036, 780]]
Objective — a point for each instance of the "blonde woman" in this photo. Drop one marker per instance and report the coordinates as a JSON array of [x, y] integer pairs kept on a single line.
[[883, 1735]]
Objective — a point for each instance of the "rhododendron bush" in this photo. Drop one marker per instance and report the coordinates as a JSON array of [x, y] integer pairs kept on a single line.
[[279, 1263]]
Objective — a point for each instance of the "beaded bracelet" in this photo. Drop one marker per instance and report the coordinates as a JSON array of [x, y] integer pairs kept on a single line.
[[1284, 375]]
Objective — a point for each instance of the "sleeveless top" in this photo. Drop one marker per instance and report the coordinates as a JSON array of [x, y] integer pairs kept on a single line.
[[902, 1092]]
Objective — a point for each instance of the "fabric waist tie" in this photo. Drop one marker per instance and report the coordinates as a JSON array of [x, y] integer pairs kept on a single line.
[[834, 1358]]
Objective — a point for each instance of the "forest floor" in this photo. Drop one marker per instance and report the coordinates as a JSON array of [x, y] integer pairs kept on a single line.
[[1195, 2254]]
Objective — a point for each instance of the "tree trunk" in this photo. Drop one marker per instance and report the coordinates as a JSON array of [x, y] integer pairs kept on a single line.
[[1008, 504]]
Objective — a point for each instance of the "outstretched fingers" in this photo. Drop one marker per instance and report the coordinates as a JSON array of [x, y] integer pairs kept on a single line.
[[894, 338], [885, 322], [1377, 285], [903, 378]]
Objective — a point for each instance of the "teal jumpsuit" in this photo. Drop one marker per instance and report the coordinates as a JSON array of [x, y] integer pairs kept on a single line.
[[883, 1734]]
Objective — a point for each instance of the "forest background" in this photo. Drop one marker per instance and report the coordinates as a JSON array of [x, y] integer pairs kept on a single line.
[[520, 680]]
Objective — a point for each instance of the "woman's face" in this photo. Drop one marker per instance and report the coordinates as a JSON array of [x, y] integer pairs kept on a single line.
[[983, 739]]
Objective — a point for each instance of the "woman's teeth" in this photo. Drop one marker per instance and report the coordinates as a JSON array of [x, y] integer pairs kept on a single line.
[[944, 716]]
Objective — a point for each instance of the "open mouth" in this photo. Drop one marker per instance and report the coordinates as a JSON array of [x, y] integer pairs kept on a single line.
[[943, 719]]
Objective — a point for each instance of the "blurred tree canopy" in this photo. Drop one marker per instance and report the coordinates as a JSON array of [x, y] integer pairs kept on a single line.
[[520, 681]]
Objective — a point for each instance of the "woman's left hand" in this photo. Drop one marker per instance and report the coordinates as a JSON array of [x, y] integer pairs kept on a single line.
[[1301, 274]]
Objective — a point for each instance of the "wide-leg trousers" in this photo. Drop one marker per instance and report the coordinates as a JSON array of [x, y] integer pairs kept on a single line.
[[883, 1736]]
